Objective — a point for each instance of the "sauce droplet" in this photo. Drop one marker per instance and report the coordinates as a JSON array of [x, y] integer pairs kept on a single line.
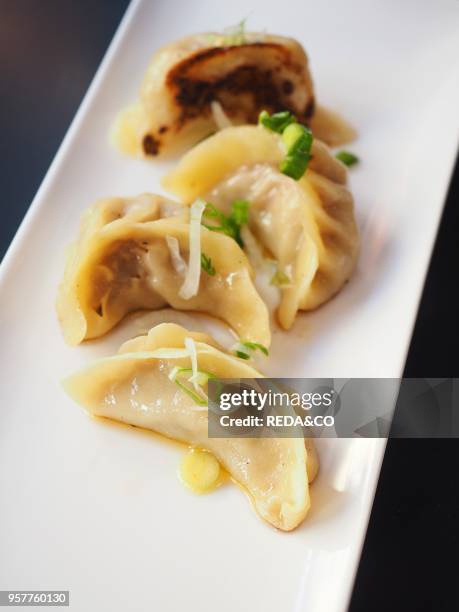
[[200, 471], [124, 134]]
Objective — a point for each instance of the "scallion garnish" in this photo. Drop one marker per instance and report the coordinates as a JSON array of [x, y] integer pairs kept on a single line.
[[297, 139], [244, 350], [276, 122], [191, 393], [201, 379], [298, 142], [206, 265], [347, 158], [228, 224], [240, 212], [255, 346]]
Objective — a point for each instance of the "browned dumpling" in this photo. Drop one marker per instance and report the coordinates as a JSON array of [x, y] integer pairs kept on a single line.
[[194, 85]]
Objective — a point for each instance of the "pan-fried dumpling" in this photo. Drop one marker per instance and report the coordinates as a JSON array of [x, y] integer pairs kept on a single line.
[[137, 387], [306, 226], [128, 264], [193, 81]]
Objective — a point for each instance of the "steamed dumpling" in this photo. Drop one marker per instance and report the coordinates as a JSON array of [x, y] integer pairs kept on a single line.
[[141, 208], [135, 387], [123, 262], [244, 76], [306, 226]]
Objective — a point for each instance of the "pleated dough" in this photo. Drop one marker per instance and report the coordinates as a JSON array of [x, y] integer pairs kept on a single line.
[[186, 77], [122, 263], [306, 226], [134, 387]]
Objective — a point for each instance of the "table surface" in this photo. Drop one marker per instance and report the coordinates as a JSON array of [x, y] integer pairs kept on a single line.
[[49, 52]]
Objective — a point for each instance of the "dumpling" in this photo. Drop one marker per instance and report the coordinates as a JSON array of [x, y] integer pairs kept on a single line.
[[141, 208], [135, 387], [306, 226], [192, 84], [124, 261]]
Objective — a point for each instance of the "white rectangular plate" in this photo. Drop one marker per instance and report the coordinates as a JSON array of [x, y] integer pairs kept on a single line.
[[97, 509]]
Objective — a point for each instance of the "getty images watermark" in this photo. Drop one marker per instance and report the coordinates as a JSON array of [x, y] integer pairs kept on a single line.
[[357, 407], [275, 408]]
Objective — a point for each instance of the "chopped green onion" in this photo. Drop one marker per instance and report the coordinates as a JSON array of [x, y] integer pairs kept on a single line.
[[298, 142], [224, 226], [253, 346], [240, 212], [294, 136], [276, 122], [347, 158], [213, 212], [191, 393], [206, 265], [297, 139], [229, 224], [243, 350], [280, 279], [202, 376], [201, 379], [294, 166]]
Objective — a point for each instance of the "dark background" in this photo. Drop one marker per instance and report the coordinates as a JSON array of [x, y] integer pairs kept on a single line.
[[49, 52]]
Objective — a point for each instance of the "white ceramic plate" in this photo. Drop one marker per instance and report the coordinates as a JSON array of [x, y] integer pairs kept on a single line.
[[98, 509]]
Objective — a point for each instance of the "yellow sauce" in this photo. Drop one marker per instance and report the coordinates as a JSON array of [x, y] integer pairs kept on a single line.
[[125, 131], [200, 471]]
